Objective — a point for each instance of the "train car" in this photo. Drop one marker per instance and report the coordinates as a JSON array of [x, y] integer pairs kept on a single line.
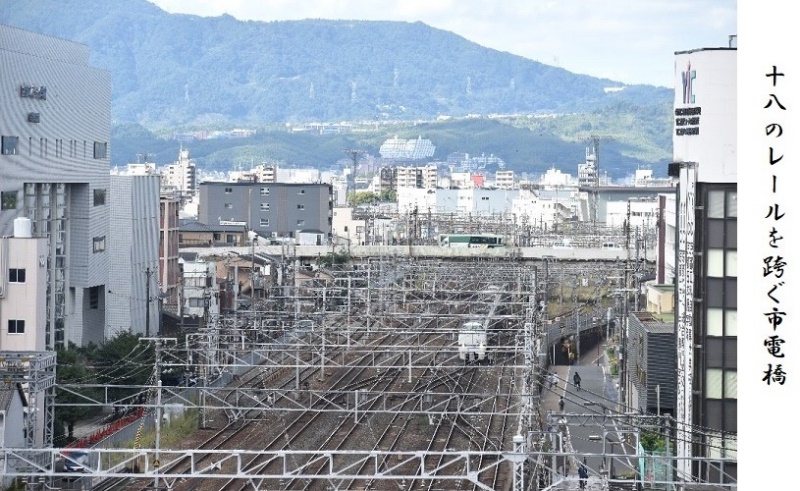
[[472, 342], [483, 241]]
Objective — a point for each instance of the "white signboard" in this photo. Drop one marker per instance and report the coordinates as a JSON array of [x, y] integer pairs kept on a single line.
[[685, 313]]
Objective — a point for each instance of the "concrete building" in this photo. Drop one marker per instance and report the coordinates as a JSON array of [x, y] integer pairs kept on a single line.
[[416, 177], [651, 363], [132, 302], [181, 175], [200, 294], [704, 156], [55, 127], [168, 239], [504, 179], [643, 213], [192, 233], [270, 210], [23, 286], [402, 149]]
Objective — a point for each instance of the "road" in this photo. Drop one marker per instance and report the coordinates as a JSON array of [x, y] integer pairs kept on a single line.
[[591, 433]]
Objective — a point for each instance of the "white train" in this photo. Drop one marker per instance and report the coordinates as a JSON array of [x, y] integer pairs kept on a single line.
[[472, 342]]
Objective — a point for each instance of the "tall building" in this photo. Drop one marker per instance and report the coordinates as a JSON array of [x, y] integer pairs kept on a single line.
[[270, 210], [704, 161], [181, 175], [132, 302], [55, 127]]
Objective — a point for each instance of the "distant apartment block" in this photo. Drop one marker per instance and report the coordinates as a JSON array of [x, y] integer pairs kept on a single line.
[[270, 210], [416, 177], [55, 128], [504, 179], [181, 175]]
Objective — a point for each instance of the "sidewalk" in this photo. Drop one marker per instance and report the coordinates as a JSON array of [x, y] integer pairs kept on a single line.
[[550, 403]]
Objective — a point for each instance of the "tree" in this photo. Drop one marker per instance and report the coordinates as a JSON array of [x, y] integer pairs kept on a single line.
[[71, 369]]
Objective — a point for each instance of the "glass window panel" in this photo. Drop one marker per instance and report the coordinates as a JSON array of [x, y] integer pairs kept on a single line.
[[730, 384], [715, 207], [730, 263], [714, 287], [716, 234], [714, 352], [730, 234], [715, 266], [714, 383], [714, 322], [731, 204], [730, 323], [730, 353], [714, 446], [730, 293]]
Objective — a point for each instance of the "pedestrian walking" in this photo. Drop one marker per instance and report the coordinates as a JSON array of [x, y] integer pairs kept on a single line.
[[561, 404], [577, 380], [583, 474]]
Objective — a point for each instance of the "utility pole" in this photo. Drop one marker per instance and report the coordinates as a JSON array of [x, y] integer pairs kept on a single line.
[[158, 342], [147, 273]]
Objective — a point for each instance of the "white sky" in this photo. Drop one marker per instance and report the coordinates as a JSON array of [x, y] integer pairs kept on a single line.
[[631, 41]]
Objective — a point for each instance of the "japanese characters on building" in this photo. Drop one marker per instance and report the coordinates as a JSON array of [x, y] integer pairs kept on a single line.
[[775, 264]]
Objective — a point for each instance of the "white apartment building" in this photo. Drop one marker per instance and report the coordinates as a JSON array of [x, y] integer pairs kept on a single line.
[[538, 212], [200, 294], [55, 128], [643, 213], [417, 177], [181, 175], [132, 303], [504, 179], [23, 286]]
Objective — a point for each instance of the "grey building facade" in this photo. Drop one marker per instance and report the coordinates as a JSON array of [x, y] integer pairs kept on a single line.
[[651, 363], [55, 125], [268, 209]]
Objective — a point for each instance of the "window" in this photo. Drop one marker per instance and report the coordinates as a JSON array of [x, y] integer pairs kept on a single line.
[[301, 207], [229, 239], [228, 206], [16, 326], [99, 197], [300, 223], [8, 200], [16, 275], [9, 145], [264, 191], [714, 263], [100, 150], [721, 384], [228, 190], [264, 222], [99, 244], [264, 206], [94, 297], [196, 302], [302, 191], [217, 236]]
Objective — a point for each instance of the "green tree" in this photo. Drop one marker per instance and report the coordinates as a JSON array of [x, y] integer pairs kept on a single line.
[[71, 369]]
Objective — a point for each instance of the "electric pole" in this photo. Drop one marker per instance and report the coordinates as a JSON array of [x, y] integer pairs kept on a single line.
[[147, 273]]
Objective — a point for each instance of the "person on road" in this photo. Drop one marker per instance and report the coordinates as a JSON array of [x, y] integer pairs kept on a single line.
[[583, 474], [561, 404], [577, 380]]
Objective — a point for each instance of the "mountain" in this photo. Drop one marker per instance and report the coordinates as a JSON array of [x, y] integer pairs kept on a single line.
[[174, 70]]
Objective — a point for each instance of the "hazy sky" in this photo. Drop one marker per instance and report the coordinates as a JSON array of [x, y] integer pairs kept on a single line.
[[631, 41]]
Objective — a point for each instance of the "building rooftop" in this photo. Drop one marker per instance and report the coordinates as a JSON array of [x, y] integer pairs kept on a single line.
[[195, 226], [654, 323]]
